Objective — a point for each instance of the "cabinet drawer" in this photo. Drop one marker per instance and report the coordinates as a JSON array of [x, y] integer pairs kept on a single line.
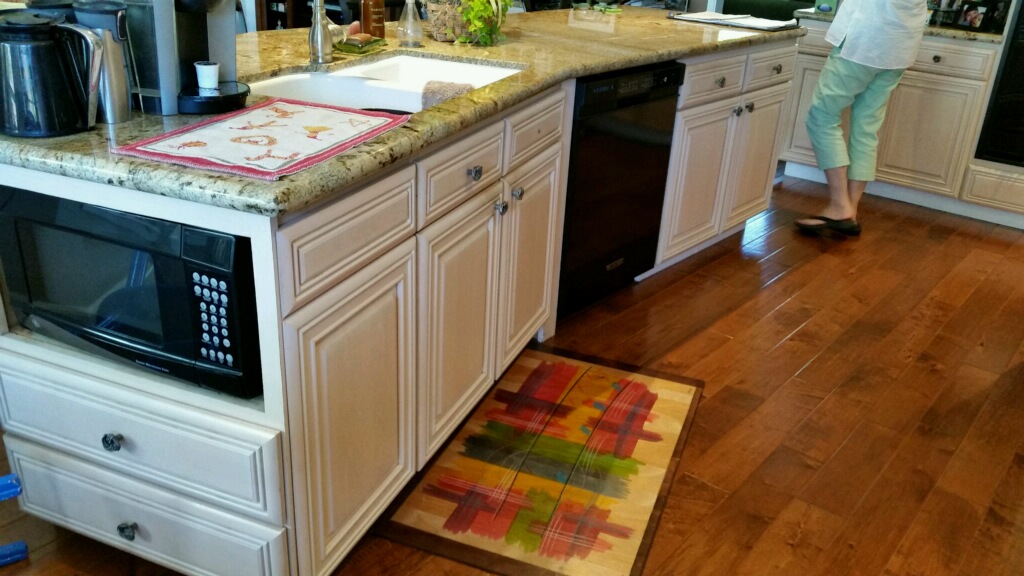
[[769, 68], [326, 247], [171, 530], [451, 176], [531, 130], [232, 465], [713, 80], [814, 43], [955, 60]]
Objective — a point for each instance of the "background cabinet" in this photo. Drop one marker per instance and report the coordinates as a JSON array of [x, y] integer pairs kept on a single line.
[[932, 117], [926, 139]]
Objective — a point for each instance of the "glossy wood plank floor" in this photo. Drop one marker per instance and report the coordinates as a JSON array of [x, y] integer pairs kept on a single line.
[[863, 410]]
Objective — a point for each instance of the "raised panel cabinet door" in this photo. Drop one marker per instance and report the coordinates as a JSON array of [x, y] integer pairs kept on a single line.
[[528, 253], [458, 274], [796, 144], [755, 154], [350, 368], [696, 176], [928, 132]]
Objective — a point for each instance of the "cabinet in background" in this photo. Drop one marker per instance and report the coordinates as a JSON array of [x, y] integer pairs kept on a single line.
[[725, 146], [927, 137], [933, 114]]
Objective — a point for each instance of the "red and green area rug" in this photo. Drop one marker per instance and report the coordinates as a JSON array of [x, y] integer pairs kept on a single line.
[[562, 469]]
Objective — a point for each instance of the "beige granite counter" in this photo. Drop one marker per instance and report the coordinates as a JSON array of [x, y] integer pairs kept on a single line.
[[934, 31], [548, 46]]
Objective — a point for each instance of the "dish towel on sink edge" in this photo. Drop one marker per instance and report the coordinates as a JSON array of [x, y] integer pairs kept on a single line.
[[269, 140]]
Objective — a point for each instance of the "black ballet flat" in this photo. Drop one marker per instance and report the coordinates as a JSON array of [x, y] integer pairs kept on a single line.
[[845, 226]]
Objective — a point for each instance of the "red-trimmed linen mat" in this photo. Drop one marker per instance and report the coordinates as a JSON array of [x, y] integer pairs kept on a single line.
[[563, 469], [269, 140]]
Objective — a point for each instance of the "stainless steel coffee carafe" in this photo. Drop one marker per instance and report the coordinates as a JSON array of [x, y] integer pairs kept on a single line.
[[49, 76], [108, 20]]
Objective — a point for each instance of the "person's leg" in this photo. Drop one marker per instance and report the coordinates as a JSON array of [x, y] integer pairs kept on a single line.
[[866, 116], [855, 190], [839, 84]]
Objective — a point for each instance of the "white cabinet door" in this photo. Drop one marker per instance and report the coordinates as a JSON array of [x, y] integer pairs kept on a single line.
[[528, 233], [723, 166], [751, 171], [928, 132], [696, 177], [350, 365], [796, 144], [458, 269]]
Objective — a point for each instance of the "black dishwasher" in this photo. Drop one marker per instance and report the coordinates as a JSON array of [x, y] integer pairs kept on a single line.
[[621, 139]]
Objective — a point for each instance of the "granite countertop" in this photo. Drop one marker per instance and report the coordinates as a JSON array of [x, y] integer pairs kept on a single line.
[[934, 31], [549, 47]]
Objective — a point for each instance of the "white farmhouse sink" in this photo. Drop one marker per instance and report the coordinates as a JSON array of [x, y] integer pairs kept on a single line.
[[347, 91], [395, 83]]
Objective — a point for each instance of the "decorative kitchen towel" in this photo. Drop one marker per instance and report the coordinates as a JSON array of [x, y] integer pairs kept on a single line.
[[269, 140], [562, 469]]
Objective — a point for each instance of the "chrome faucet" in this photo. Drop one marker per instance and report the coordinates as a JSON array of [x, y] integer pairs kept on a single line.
[[321, 43]]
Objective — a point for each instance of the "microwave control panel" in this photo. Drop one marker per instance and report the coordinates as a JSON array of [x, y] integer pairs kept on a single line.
[[213, 305]]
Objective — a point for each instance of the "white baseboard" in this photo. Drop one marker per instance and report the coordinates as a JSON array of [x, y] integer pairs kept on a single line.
[[926, 199]]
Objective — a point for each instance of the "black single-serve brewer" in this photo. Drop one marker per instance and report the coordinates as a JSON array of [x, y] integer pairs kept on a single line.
[[167, 38]]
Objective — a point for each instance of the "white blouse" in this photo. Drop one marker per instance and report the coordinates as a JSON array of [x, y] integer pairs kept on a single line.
[[879, 33]]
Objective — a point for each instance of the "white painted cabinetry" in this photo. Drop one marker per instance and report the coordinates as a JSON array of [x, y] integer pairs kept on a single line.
[[350, 366], [390, 299], [487, 268], [725, 146], [198, 492], [933, 114]]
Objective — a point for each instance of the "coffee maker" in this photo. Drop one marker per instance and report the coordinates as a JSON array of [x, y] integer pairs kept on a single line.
[[167, 37]]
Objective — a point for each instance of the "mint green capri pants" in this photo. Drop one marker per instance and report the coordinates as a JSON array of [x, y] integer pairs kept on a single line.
[[865, 90]]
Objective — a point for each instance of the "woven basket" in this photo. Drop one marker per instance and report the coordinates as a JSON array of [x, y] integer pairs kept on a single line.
[[444, 21]]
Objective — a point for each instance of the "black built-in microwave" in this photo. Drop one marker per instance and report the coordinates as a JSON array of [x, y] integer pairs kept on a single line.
[[168, 297]]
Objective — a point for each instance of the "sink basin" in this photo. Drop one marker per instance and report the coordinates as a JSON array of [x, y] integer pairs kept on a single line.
[[416, 70], [347, 91], [395, 83]]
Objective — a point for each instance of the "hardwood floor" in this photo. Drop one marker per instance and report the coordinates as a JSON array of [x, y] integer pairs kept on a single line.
[[863, 411]]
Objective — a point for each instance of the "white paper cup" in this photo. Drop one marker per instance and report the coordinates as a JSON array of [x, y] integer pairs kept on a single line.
[[208, 74]]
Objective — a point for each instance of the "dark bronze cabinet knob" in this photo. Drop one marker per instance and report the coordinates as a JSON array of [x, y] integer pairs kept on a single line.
[[112, 442]]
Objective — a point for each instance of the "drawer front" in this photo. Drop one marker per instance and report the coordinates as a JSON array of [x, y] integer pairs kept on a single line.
[[451, 176], [533, 129], [713, 80], [235, 466], [326, 247], [958, 60], [168, 529], [770, 68], [814, 43]]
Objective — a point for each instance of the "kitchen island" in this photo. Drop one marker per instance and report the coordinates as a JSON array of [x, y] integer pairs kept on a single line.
[[371, 354], [547, 46]]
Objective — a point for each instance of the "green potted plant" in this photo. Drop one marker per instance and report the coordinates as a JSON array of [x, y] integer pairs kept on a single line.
[[483, 20], [467, 21]]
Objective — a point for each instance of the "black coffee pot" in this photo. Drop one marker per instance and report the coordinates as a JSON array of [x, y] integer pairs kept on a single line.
[[49, 75]]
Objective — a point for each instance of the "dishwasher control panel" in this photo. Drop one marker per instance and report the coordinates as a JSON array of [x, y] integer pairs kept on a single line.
[[610, 90]]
